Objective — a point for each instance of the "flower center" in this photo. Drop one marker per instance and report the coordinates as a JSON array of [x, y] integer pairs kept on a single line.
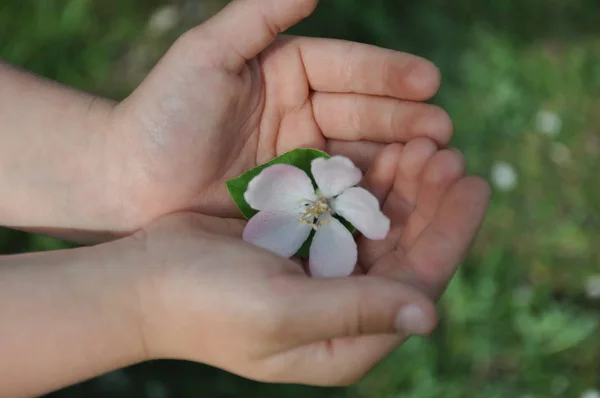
[[316, 213]]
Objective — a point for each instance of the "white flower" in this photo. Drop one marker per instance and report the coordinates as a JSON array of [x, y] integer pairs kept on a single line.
[[590, 394], [163, 20], [592, 287], [548, 123], [504, 176], [290, 208]]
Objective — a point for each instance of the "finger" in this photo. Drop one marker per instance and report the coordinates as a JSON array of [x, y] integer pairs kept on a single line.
[[339, 362], [381, 119], [439, 249], [411, 164], [323, 309], [443, 170], [379, 179], [338, 66], [244, 28], [362, 153]]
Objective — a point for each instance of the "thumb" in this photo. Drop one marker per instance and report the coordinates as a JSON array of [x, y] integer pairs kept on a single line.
[[357, 306], [246, 27]]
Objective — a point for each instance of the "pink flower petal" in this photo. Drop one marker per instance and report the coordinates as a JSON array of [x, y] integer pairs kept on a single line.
[[279, 232], [279, 187], [334, 175], [333, 252], [361, 209]]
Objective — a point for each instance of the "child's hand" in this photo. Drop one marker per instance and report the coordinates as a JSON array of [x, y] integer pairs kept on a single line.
[[229, 96], [209, 297], [188, 287], [214, 299]]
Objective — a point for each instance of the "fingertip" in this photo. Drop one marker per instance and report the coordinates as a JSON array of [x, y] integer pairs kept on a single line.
[[306, 7], [416, 319], [416, 154], [380, 177], [425, 79], [476, 188], [439, 126], [446, 165]]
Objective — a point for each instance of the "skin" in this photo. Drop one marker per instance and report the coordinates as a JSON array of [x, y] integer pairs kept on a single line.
[[225, 98], [229, 95], [187, 287]]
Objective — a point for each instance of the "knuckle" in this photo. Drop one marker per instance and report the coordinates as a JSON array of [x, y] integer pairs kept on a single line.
[[347, 70], [356, 116], [355, 319], [389, 72], [396, 122], [270, 25]]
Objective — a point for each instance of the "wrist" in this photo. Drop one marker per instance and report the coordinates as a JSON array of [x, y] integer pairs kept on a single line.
[[58, 178], [123, 274], [109, 179], [173, 299], [83, 301]]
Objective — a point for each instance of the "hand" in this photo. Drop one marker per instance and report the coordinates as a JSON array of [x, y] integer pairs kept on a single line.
[[229, 95], [187, 287], [212, 298]]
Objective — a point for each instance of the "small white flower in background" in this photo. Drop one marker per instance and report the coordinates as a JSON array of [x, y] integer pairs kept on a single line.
[[560, 153], [548, 123], [591, 394], [163, 20], [290, 208], [504, 176], [592, 287]]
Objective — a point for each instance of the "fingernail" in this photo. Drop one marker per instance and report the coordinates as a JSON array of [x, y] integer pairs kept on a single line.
[[413, 320]]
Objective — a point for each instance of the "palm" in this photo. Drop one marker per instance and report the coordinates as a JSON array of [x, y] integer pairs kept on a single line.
[[227, 98], [431, 206], [196, 125], [435, 213]]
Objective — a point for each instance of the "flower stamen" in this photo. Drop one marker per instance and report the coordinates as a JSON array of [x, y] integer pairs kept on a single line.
[[314, 212]]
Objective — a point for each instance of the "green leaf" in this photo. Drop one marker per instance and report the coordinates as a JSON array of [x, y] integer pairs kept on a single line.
[[301, 158]]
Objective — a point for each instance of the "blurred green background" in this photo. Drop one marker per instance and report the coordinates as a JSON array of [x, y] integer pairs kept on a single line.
[[522, 83]]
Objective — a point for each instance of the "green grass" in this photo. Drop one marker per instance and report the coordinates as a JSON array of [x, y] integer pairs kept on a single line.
[[516, 321]]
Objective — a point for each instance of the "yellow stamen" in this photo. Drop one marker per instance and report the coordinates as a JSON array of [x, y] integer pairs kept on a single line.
[[313, 213]]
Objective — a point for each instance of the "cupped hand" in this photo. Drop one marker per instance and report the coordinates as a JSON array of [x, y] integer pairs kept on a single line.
[[207, 296], [231, 94]]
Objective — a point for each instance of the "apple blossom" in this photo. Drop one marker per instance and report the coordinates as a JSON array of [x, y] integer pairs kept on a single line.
[[290, 208]]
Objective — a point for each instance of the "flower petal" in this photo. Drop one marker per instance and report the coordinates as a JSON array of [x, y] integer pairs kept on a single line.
[[361, 209], [279, 232], [334, 175], [279, 187], [333, 252]]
